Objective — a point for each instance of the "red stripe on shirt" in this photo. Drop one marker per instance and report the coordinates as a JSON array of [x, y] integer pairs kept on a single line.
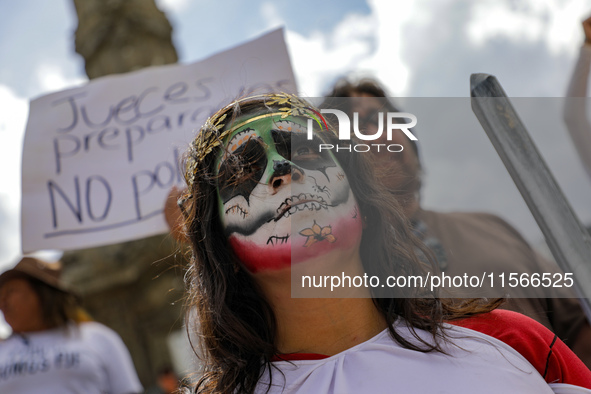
[[298, 357]]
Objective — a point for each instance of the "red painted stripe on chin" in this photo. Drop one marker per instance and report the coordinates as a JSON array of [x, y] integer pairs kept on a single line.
[[274, 257], [251, 255]]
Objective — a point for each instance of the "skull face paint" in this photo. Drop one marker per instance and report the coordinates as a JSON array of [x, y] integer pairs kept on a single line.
[[280, 200]]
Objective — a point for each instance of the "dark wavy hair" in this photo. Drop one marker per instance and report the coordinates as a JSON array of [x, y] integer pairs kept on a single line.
[[235, 324], [344, 87]]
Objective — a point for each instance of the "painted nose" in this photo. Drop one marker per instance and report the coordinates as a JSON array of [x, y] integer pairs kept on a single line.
[[284, 172], [281, 167]]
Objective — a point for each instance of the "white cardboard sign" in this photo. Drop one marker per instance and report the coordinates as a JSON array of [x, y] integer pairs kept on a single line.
[[99, 160]]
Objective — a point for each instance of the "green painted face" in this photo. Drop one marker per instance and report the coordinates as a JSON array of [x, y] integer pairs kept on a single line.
[[268, 172], [251, 151]]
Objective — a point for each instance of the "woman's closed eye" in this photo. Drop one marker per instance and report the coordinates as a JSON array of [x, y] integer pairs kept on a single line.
[[304, 153]]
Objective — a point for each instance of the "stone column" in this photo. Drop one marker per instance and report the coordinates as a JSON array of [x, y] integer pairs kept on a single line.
[[117, 36], [136, 288]]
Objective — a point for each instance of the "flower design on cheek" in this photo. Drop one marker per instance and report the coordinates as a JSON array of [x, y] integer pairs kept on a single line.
[[317, 234]]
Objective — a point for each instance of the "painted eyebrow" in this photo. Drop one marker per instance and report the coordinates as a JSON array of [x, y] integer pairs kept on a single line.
[[239, 135], [256, 138]]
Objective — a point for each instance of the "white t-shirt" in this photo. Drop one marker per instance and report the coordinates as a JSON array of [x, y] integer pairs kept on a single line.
[[477, 363], [85, 359]]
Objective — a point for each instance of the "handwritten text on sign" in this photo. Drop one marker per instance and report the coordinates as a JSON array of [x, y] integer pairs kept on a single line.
[[99, 160]]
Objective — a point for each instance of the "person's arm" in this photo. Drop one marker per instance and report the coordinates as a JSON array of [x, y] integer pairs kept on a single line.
[[555, 362], [580, 77], [566, 315], [560, 305], [575, 111], [582, 344]]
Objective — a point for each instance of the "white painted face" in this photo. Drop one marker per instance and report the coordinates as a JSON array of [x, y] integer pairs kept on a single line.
[[281, 201]]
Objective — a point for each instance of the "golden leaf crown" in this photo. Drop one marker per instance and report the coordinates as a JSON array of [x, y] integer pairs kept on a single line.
[[212, 133]]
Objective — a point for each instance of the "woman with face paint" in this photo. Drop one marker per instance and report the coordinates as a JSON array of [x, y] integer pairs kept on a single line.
[[264, 205]]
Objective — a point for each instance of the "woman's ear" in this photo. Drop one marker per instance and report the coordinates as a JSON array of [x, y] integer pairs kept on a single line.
[[173, 214]]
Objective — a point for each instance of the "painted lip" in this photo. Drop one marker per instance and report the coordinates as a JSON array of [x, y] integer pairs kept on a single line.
[[301, 202]]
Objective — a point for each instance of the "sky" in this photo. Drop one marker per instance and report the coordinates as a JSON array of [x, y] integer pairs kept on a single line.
[[423, 48]]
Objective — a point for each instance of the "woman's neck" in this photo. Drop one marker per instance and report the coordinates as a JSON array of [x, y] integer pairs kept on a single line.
[[321, 325], [326, 325]]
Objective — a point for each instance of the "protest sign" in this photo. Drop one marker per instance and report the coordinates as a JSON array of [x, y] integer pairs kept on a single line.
[[99, 160]]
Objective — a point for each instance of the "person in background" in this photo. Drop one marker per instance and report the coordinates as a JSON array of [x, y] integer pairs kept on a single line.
[[575, 111], [55, 348], [463, 242], [263, 204]]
